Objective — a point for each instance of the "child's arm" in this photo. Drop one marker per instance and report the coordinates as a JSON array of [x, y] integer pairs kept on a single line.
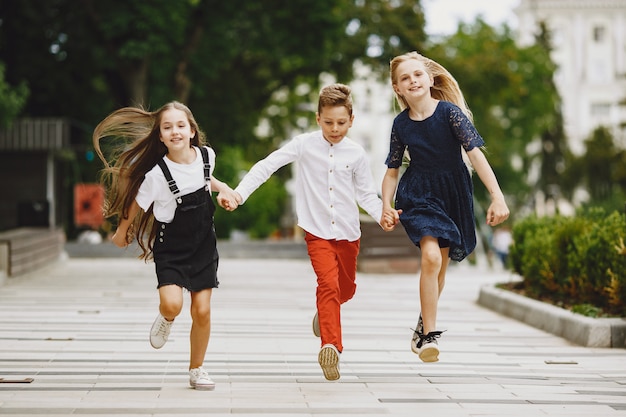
[[391, 216], [226, 198], [263, 169], [498, 210], [121, 236]]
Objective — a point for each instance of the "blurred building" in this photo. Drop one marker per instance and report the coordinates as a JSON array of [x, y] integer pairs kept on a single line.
[[373, 117], [589, 47], [32, 172]]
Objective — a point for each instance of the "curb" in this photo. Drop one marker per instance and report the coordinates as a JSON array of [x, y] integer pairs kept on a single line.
[[582, 330]]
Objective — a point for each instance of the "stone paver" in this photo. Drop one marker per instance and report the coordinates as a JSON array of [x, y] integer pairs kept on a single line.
[[80, 328]]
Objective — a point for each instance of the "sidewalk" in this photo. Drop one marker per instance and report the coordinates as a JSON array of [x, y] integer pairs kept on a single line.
[[80, 328]]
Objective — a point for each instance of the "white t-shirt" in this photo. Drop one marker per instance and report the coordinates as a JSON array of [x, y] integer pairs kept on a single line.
[[330, 180], [188, 177]]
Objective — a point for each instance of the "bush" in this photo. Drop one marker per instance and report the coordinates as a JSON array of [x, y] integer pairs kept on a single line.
[[574, 261]]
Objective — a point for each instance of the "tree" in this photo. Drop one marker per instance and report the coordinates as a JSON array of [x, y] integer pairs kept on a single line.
[[233, 63], [510, 92], [225, 59], [598, 164], [554, 154]]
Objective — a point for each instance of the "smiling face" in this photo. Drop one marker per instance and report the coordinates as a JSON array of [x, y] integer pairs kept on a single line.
[[412, 81], [175, 130], [335, 122]]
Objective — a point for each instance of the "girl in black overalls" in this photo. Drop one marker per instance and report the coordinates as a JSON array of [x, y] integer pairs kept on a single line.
[[159, 185]]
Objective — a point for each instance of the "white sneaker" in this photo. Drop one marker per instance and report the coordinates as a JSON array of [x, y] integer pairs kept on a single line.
[[160, 331], [418, 333], [328, 359], [199, 379]]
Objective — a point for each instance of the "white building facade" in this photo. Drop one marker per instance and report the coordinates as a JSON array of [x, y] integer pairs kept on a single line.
[[589, 48]]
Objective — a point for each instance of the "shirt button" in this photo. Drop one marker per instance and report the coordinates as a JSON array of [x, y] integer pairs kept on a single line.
[[330, 170]]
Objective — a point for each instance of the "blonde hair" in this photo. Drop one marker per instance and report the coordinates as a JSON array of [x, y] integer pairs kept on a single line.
[[137, 150], [335, 95], [445, 87]]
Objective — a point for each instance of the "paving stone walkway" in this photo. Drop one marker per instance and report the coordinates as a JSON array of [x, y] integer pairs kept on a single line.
[[79, 329]]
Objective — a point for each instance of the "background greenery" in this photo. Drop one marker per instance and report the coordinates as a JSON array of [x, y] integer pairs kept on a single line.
[[242, 64], [578, 262]]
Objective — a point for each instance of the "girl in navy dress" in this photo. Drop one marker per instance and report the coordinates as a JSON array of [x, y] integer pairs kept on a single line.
[[434, 196], [159, 185]]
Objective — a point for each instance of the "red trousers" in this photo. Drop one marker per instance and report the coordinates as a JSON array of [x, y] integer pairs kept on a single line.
[[334, 263]]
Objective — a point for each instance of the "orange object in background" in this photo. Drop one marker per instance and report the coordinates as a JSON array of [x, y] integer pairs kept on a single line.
[[88, 202]]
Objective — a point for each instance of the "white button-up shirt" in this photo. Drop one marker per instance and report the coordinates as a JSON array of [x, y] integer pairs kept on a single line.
[[330, 180]]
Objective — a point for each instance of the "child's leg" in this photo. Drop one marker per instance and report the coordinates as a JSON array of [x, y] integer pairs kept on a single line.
[[323, 255], [432, 279], [347, 253], [171, 301], [200, 327]]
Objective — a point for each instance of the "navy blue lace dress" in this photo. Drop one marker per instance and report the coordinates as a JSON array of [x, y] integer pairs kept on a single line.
[[435, 192]]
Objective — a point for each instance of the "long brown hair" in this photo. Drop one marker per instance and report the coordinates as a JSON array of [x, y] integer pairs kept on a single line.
[[136, 150]]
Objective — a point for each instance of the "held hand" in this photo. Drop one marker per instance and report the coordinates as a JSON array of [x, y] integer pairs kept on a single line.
[[226, 203], [120, 238], [497, 213], [228, 200], [390, 219]]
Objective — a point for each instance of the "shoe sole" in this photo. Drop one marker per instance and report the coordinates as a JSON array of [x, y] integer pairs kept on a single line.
[[429, 353], [201, 387], [157, 346], [329, 361]]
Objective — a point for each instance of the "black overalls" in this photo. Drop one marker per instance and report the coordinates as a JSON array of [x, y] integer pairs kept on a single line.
[[185, 251]]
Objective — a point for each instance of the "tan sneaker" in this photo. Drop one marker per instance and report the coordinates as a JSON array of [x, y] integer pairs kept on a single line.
[[329, 361], [316, 325]]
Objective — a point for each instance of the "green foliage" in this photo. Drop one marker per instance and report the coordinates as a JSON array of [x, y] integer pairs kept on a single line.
[[588, 310], [577, 260], [226, 60], [12, 99], [260, 215]]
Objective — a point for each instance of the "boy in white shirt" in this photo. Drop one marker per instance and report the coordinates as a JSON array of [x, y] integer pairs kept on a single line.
[[333, 176]]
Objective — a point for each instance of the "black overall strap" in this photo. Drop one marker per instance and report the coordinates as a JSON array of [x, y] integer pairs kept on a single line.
[[168, 177], [207, 165]]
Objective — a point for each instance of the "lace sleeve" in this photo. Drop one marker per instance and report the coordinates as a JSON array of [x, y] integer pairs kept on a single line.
[[396, 151], [464, 130]]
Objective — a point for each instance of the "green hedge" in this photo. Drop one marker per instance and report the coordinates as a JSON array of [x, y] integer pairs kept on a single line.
[[573, 261]]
